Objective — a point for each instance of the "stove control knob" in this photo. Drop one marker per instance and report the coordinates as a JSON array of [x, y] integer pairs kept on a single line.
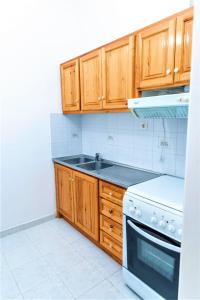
[[138, 213], [171, 228], [131, 210], [162, 224], [154, 220], [180, 232]]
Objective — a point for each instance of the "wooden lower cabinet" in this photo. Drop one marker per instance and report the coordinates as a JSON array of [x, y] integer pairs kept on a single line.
[[77, 199], [86, 204], [80, 200], [111, 192], [64, 192], [111, 210], [112, 245], [111, 227]]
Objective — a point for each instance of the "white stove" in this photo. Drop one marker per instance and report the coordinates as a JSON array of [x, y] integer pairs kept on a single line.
[[152, 229], [165, 190]]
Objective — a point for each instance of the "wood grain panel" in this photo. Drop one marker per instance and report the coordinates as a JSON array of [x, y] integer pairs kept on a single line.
[[86, 203], [183, 46], [111, 192], [111, 227], [90, 77], [112, 245], [155, 55], [117, 73], [111, 210], [70, 86], [64, 191]]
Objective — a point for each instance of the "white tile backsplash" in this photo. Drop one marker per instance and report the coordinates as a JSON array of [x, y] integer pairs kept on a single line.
[[66, 136], [120, 137]]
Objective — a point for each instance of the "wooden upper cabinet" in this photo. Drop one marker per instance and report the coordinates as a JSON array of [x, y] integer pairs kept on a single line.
[[86, 204], [90, 77], [155, 55], [183, 46], [70, 86], [117, 73], [64, 192]]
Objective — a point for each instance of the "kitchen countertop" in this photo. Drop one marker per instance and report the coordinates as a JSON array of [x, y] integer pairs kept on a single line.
[[119, 174]]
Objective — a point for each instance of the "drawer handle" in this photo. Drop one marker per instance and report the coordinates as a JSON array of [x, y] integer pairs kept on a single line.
[[110, 245], [110, 211], [110, 193], [168, 71], [111, 228]]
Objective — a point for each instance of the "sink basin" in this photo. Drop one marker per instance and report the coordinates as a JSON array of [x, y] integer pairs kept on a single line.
[[95, 166], [77, 160]]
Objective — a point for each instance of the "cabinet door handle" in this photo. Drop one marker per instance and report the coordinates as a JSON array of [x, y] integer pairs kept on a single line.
[[99, 98], [176, 70], [102, 97], [110, 211], [168, 71]]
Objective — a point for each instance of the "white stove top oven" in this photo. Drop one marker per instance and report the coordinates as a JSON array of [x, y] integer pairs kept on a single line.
[[152, 228]]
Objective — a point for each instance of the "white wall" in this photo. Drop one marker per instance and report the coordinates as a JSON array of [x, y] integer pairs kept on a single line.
[[190, 258], [36, 35]]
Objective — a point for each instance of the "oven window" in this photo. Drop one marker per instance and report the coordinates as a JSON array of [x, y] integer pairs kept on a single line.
[[153, 264], [158, 260]]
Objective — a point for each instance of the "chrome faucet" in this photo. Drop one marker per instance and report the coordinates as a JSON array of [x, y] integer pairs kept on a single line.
[[98, 157]]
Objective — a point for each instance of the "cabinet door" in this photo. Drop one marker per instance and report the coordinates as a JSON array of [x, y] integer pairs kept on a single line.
[[117, 73], [86, 204], [90, 77], [70, 86], [155, 55], [183, 46], [64, 192]]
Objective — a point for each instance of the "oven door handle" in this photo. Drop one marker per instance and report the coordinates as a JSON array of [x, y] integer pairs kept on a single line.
[[153, 239]]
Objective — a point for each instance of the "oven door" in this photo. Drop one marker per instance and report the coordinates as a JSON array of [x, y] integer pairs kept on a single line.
[[153, 258]]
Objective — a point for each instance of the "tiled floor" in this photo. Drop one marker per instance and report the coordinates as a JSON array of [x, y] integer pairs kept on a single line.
[[54, 261]]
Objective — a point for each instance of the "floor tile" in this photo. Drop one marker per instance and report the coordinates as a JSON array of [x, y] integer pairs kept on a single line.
[[66, 231], [81, 278], [40, 232], [105, 263], [103, 291], [118, 282], [8, 286], [15, 240], [32, 274], [21, 255], [48, 290], [3, 263], [51, 244], [64, 261], [54, 261]]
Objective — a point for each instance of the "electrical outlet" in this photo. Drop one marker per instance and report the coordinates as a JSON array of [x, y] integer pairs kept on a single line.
[[164, 144], [144, 125]]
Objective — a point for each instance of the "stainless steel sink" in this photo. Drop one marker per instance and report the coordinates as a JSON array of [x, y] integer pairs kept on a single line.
[[94, 166], [77, 160]]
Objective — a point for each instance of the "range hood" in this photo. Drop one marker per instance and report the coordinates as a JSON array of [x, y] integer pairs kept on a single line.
[[163, 106]]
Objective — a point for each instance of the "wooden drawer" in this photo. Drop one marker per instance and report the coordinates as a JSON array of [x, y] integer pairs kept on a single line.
[[112, 245], [111, 210], [111, 192], [111, 227]]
